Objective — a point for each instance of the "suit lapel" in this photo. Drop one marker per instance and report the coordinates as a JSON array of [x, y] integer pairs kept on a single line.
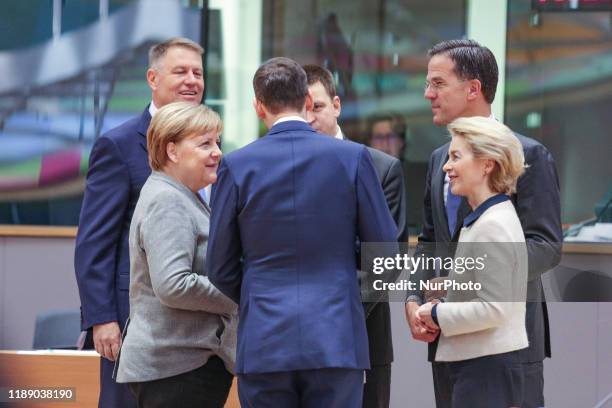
[[438, 198], [143, 126]]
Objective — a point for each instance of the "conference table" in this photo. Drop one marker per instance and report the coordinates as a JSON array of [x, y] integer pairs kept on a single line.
[[67, 378]]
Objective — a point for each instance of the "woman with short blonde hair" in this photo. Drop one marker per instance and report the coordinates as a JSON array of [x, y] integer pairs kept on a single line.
[[490, 139], [482, 323], [178, 121], [179, 346]]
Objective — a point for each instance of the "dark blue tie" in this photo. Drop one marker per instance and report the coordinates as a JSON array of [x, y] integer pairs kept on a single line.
[[452, 207]]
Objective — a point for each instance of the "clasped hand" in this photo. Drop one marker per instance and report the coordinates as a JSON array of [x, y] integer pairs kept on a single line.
[[423, 316], [419, 329]]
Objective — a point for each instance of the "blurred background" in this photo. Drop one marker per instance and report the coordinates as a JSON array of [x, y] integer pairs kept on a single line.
[[72, 69]]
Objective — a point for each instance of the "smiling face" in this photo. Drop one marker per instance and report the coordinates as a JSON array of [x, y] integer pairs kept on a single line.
[[323, 117], [448, 94], [467, 174], [178, 76], [196, 159]]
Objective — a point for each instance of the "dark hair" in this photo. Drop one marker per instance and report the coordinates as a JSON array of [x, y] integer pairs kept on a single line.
[[316, 73], [472, 61], [280, 84], [398, 126]]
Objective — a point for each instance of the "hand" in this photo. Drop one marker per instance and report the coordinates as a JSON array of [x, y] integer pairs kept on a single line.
[[107, 340], [419, 330], [435, 294], [423, 314]]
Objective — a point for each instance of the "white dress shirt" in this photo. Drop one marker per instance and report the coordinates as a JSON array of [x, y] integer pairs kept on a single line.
[[339, 134], [152, 109], [289, 118]]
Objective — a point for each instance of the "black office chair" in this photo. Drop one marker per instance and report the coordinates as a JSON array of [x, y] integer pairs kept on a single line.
[[58, 329], [576, 285]]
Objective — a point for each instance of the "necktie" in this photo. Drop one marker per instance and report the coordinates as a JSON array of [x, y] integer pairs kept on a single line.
[[452, 206]]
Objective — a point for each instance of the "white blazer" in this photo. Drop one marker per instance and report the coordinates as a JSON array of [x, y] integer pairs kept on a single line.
[[476, 323]]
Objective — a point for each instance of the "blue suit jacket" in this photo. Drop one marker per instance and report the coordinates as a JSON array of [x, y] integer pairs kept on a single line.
[[286, 211], [118, 167]]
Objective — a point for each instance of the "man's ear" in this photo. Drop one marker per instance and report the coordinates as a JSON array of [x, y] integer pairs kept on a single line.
[[337, 106], [309, 105], [152, 78], [171, 152], [475, 89], [259, 109]]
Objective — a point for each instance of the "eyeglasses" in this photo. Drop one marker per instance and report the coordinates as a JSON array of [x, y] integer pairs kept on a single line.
[[437, 87], [385, 137]]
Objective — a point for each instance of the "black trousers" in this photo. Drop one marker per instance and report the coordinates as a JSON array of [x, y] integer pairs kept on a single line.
[[204, 387], [377, 389], [443, 388], [495, 381], [533, 391], [113, 394]]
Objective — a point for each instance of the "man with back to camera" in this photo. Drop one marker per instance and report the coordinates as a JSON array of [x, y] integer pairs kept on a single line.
[[323, 117], [461, 82], [118, 167], [287, 209]]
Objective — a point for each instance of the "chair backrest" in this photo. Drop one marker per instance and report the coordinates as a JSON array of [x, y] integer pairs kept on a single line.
[[568, 284], [58, 329]]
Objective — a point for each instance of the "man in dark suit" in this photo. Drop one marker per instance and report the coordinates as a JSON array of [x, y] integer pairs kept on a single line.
[[323, 117], [461, 82], [118, 167], [287, 209]]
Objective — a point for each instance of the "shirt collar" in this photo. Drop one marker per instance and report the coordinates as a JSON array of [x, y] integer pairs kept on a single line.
[[152, 109], [339, 134], [488, 203], [289, 118]]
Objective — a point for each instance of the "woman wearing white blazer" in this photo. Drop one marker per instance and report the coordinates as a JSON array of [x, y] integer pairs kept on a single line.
[[482, 321]]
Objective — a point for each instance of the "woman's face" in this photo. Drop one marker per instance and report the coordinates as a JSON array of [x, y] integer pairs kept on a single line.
[[197, 159], [466, 173]]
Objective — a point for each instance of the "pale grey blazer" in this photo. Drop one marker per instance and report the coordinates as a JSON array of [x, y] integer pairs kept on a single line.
[[476, 323], [178, 319]]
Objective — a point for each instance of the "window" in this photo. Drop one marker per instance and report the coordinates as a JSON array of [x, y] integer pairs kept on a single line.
[[559, 91], [57, 96], [377, 50]]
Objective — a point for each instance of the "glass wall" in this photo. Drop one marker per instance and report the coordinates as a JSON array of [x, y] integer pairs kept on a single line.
[[559, 91], [377, 51], [71, 70]]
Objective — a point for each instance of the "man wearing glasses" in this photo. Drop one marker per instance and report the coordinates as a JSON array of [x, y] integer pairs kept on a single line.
[[387, 135]]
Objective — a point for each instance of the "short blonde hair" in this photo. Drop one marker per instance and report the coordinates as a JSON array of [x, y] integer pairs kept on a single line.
[[173, 123], [157, 52], [490, 139]]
